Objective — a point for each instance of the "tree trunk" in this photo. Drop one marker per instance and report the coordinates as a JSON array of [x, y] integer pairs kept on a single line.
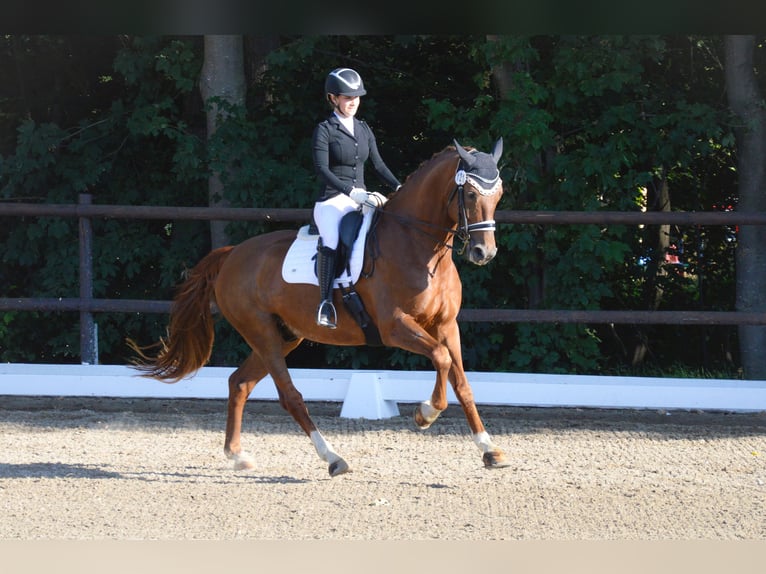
[[746, 102], [223, 76], [657, 241], [503, 71], [257, 48]]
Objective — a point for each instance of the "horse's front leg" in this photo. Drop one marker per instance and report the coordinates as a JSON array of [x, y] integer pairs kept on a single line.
[[407, 334], [446, 356], [492, 456]]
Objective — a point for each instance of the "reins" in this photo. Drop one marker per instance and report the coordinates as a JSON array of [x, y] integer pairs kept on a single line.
[[374, 248]]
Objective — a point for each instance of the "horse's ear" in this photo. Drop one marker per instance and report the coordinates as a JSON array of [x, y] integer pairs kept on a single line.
[[464, 155], [498, 150]]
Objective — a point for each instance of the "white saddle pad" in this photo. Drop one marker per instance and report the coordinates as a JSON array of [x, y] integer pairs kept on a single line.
[[298, 266]]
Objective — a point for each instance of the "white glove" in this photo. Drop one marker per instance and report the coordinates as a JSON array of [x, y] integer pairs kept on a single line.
[[358, 194], [375, 199]]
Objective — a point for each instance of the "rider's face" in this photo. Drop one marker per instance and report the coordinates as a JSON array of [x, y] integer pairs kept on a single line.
[[346, 105]]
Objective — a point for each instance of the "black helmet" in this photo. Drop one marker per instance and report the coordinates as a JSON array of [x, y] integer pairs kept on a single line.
[[344, 82]]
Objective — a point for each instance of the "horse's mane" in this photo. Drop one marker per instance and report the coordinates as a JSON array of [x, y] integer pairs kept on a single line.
[[436, 156]]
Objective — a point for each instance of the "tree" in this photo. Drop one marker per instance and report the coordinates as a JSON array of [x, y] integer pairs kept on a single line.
[[747, 105], [132, 136], [592, 123], [222, 81]]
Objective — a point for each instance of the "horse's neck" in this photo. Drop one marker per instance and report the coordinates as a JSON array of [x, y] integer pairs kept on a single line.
[[420, 224], [426, 198], [427, 215]]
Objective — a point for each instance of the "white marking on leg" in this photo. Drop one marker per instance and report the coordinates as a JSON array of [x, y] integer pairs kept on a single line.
[[243, 461], [324, 449], [429, 413], [483, 441]]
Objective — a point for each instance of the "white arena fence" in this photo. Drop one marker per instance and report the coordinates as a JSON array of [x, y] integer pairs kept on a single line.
[[377, 394]]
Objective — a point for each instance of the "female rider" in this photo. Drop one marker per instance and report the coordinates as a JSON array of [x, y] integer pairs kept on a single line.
[[341, 146]]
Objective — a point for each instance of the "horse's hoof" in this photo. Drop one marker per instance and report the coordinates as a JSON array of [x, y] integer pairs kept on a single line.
[[421, 422], [495, 459], [339, 467], [243, 462]]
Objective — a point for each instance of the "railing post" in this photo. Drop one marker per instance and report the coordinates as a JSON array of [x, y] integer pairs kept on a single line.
[[88, 349]]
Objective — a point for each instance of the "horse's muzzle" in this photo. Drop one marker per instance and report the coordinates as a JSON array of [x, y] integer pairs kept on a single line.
[[480, 253]]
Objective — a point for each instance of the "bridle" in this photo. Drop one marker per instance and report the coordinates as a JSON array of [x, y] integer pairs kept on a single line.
[[462, 232], [485, 187], [464, 229]]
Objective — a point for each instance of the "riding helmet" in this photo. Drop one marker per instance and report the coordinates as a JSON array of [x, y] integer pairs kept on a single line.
[[344, 82]]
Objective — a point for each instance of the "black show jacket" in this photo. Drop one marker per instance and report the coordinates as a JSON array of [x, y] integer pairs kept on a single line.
[[339, 157]]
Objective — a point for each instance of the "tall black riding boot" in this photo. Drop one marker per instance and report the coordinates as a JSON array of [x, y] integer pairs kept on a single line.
[[326, 315]]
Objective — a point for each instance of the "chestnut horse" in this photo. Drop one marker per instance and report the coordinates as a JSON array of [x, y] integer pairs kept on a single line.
[[411, 291]]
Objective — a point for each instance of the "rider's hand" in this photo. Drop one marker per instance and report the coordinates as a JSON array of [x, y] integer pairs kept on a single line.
[[358, 194], [375, 199]]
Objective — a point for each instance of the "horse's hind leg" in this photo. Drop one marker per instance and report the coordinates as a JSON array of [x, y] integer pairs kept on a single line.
[[241, 384], [291, 399], [269, 357]]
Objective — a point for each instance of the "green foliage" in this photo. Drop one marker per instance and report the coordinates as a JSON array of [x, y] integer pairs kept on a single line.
[[589, 123], [584, 133], [135, 149]]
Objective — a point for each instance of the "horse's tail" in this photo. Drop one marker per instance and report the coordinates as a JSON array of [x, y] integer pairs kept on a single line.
[[189, 341]]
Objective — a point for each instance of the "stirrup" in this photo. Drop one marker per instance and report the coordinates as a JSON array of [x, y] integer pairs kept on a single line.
[[326, 315]]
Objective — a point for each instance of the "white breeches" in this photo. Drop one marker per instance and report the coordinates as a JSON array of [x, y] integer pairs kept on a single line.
[[327, 215]]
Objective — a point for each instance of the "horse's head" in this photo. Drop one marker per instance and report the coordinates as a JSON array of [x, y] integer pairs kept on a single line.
[[479, 189]]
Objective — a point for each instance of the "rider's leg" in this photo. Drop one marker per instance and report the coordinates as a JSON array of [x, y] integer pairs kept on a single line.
[[327, 215], [326, 315]]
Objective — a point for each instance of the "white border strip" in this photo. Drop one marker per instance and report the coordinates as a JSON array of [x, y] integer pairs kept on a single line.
[[375, 394]]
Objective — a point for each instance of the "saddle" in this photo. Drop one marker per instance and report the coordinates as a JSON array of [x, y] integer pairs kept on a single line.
[[349, 227]]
